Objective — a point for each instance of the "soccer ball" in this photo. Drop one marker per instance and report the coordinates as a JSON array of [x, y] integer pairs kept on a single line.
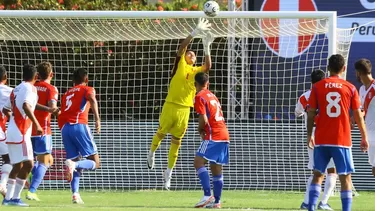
[[211, 8]]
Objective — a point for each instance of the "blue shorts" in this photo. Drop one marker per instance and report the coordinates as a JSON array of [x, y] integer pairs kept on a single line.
[[78, 141], [215, 152], [342, 157], [42, 144]]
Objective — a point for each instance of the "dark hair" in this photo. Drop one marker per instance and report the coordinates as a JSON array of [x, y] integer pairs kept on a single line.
[[79, 75], [29, 72], [335, 63], [3, 73], [363, 66], [201, 78], [44, 70], [317, 75], [189, 50]]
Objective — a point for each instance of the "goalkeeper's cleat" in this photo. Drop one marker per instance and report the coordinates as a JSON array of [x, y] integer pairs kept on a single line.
[[70, 167], [18, 203], [76, 199], [167, 181], [151, 160], [3, 190], [32, 196], [28, 181], [304, 206], [206, 200], [322, 206]]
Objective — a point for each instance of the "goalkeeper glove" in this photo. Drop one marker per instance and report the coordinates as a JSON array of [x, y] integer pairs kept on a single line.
[[202, 26], [207, 41]]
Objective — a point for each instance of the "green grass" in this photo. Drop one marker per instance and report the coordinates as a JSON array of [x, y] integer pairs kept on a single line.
[[181, 200]]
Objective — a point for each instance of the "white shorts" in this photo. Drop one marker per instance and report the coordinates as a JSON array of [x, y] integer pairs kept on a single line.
[[3, 145], [310, 165], [371, 154], [21, 152]]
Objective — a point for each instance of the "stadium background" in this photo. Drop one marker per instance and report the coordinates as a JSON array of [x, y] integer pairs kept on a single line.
[[130, 106]]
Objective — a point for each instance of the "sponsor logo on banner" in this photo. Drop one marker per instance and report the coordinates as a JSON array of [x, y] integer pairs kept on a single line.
[[275, 36], [368, 4], [365, 28]]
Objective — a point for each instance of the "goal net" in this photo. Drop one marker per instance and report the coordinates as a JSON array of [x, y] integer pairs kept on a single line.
[[261, 64]]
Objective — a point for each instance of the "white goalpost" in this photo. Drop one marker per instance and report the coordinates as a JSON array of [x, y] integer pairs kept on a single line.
[[261, 63]]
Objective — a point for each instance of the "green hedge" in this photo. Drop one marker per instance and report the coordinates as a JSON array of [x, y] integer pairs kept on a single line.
[[175, 5]]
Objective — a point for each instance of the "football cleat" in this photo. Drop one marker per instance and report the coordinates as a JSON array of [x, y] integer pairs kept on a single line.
[[214, 205], [70, 167], [304, 206], [5, 202], [3, 190], [322, 206], [206, 200], [18, 203], [151, 160], [167, 181], [32, 196], [76, 199]]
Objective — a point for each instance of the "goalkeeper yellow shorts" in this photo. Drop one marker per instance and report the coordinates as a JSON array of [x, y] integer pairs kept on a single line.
[[174, 119]]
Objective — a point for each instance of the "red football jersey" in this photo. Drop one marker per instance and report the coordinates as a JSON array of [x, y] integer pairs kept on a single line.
[[334, 97], [46, 93], [206, 103], [75, 106]]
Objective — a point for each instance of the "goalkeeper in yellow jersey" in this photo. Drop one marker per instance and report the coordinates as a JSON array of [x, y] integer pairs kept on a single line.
[[174, 117]]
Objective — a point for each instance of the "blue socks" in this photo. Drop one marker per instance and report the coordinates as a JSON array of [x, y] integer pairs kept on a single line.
[[314, 196], [346, 200], [35, 167], [38, 175], [218, 187], [85, 164], [75, 181], [204, 177]]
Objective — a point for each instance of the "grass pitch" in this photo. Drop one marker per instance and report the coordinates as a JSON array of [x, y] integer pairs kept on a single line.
[[181, 200]]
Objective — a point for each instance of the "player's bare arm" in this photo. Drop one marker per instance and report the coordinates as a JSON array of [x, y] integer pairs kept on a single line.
[[46, 108], [358, 116], [310, 124], [202, 121], [95, 110], [29, 112], [7, 112]]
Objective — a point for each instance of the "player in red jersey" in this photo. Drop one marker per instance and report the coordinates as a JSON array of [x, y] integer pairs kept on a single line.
[[215, 145], [76, 134], [334, 97], [42, 144]]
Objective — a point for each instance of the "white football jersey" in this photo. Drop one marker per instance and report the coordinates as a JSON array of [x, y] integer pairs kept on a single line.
[[20, 125], [368, 105], [4, 95], [300, 109]]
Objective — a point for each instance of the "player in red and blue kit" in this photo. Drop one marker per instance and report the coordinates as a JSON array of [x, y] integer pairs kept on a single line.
[[77, 138], [42, 144], [215, 145], [334, 97]]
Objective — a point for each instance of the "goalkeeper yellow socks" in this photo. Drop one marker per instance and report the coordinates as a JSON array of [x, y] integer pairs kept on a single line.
[[156, 140], [173, 154]]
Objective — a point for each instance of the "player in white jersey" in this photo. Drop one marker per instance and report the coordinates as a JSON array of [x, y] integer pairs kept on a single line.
[[4, 95], [363, 69], [22, 102], [330, 182]]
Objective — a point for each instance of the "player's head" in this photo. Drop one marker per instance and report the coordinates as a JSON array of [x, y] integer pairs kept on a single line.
[[336, 64], [363, 69], [190, 57], [80, 76], [317, 75], [45, 70], [201, 81], [30, 73], [3, 75]]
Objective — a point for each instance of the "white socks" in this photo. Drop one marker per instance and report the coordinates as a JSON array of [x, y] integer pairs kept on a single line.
[[329, 185], [168, 172], [5, 171], [306, 200], [20, 183], [10, 189]]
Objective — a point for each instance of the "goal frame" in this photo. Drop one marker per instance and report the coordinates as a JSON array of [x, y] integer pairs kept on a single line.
[[234, 55]]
